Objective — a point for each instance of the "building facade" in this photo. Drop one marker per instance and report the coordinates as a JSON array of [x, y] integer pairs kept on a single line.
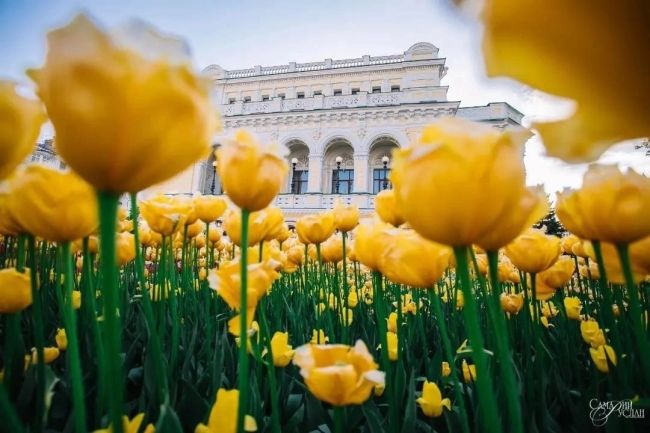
[[337, 120]]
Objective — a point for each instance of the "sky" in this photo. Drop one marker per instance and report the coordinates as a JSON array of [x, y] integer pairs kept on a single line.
[[242, 33]]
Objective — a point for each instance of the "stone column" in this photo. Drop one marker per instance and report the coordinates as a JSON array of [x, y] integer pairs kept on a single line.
[[360, 172], [314, 178]]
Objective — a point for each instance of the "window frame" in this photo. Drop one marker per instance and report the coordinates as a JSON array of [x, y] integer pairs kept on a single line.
[[348, 182]]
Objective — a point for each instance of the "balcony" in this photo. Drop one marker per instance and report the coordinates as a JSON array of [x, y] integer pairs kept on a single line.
[[317, 202]]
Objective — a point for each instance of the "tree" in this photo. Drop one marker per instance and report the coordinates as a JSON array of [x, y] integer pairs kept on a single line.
[[552, 224]]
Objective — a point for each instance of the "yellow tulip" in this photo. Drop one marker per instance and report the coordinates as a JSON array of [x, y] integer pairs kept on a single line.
[[346, 218], [257, 226], [55, 205], [76, 299], [431, 401], [332, 249], [410, 259], [214, 234], [127, 114], [611, 206], [8, 224], [392, 342], [463, 183], [338, 374], [387, 209], [445, 370], [282, 351], [223, 415], [531, 44], [591, 333], [15, 291], [125, 247], [353, 298], [602, 356], [549, 309], [226, 281], [370, 242], [274, 223], [50, 354], [209, 207], [251, 175], [572, 305], [315, 229], [61, 339], [319, 337], [130, 426], [469, 372], [640, 255], [164, 214], [195, 229], [20, 123], [534, 251], [511, 302], [296, 254], [559, 274], [392, 322]]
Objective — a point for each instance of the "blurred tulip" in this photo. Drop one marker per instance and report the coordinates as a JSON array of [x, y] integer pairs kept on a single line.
[[591, 333], [469, 372], [282, 351], [602, 356], [572, 305], [164, 214], [55, 205], [387, 209], [445, 370], [534, 251], [319, 337], [517, 46], [61, 339], [611, 206], [15, 291], [20, 123], [251, 175], [274, 223], [337, 374], [431, 401], [346, 218], [50, 354], [392, 342], [315, 229], [332, 249], [125, 247], [128, 112], [209, 207], [612, 264], [511, 302], [257, 226], [223, 415], [370, 242]]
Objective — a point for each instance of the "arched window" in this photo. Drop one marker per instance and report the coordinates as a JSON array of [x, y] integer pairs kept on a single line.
[[380, 158], [299, 165], [339, 167]]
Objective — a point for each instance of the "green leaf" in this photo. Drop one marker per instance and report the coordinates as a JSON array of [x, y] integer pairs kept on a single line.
[[410, 415], [168, 421], [373, 417]]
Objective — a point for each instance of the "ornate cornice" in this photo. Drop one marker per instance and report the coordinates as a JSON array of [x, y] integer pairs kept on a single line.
[[364, 114]]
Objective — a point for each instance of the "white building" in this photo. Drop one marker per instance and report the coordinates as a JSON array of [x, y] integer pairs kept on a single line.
[[338, 119]]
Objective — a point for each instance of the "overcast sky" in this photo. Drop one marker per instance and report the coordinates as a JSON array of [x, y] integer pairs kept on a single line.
[[243, 33]]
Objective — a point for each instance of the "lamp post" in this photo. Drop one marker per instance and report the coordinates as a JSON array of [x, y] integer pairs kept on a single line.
[[385, 160], [294, 189], [338, 160], [214, 176]]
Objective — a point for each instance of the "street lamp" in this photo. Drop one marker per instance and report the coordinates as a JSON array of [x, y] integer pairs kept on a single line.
[[214, 175], [385, 160], [339, 160], [294, 162]]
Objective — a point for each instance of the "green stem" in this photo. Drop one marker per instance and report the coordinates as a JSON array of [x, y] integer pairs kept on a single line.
[[73, 358], [243, 326], [346, 293], [506, 365], [635, 312], [8, 413], [39, 339], [273, 387], [113, 376], [470, 311], [339, 419], [449, 356], [154, 338]]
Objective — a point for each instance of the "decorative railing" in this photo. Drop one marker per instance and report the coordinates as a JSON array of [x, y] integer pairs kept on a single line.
[[314, 66]]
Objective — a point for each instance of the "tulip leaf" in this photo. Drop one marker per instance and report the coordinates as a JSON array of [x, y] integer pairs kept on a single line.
[[168, 421], [410, 412], [373, 417]]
